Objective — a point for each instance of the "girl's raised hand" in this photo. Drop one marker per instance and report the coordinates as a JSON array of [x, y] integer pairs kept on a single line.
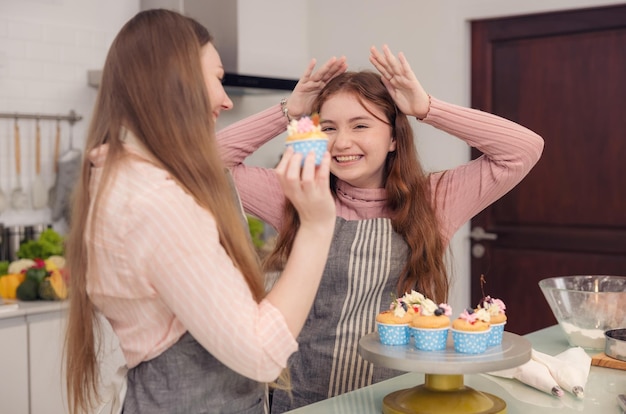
[[311, 83], [401, 82]]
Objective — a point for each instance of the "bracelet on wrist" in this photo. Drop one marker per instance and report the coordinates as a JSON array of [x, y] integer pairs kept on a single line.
[[283, 107]]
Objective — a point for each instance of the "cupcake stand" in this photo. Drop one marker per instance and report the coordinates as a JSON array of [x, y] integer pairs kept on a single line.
[[443, 390]]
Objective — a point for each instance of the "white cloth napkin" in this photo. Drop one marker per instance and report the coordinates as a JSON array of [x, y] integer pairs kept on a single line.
[[567, 371]]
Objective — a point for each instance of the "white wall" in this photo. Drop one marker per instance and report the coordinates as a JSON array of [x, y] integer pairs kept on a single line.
[[46, 47], [435, 36]]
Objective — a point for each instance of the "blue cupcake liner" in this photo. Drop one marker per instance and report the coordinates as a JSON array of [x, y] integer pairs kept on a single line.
[[307, 145], [430, 339], [392, 334], [495, 337], [470, 342]]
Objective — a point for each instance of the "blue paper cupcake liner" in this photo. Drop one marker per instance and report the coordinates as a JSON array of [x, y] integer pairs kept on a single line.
[[430, 339], [495, 337], [391, 334], [307, 145], [470, 342]]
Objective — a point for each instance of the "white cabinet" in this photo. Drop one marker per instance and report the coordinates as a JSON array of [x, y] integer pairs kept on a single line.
[[45, 343], [32, 338], [13, 365], [31, 352]]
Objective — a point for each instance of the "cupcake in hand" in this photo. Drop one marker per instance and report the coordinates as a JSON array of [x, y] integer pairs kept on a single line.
[[431, 325], [305, 135], [470, 331]]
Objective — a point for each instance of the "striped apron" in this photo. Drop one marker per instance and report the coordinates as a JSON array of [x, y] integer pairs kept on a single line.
[[364, 264]]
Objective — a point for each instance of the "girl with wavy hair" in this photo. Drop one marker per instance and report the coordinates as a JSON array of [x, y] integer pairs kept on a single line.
[[394, 220]]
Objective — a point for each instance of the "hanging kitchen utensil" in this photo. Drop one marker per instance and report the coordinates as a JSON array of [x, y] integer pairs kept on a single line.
[[3, 199], [19, 199], [55, 162], [69, 167], [39, 190]]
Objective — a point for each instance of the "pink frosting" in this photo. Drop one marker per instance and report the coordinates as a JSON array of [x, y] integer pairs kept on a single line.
[[469, 317], [494, 306], [472, 316], [500, 304], [305, 124], [447, 309]]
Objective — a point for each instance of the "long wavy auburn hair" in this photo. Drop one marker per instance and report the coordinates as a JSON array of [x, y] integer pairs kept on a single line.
[[153, 85], [409, 196]]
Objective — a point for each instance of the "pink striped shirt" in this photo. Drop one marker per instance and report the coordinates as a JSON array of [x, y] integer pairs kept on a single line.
[[157, 270], [510, 151]]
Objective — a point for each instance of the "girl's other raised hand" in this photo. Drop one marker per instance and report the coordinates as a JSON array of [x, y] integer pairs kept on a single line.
[[401, 82]]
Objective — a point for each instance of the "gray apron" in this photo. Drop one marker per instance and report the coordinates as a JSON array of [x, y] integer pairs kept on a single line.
[[187, 379], [364, 264]]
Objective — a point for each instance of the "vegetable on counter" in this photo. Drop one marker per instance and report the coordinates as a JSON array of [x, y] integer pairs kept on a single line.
[[35, 279], [9, 284], [4, 267], [39, 271], [53, 287], [50, 243], [20, 265], [27, 290]]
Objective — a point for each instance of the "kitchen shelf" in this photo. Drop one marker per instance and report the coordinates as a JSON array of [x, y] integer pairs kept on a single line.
[[72, 117]]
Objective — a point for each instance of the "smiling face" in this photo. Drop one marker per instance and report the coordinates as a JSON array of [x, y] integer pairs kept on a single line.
[[358, 140], [213, 73]]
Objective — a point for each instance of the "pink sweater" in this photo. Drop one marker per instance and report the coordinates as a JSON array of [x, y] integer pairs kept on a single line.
[[509, 149]]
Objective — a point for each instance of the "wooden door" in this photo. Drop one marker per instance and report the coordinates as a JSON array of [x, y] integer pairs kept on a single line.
[[562, 75]]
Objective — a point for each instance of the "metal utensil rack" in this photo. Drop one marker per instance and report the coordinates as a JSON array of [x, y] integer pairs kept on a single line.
[[72, 117]]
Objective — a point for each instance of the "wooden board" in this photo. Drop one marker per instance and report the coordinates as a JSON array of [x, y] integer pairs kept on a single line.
[[602, 360]]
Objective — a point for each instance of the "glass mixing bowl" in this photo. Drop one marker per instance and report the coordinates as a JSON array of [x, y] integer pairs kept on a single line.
[[587, 306]]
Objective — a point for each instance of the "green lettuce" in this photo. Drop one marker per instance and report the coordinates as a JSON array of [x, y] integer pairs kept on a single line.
[[50, 243]]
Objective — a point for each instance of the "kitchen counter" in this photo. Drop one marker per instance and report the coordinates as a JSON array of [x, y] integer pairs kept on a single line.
[[602, 388], [14, 309]]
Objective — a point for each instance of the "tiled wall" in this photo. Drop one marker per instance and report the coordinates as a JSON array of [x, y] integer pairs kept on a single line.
[[46, 49]]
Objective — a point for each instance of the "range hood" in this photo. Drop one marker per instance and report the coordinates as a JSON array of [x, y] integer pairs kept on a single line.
[[222, 20], [234, 84], [243, 84]]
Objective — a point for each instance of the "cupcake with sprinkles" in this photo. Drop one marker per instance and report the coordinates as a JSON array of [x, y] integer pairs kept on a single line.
[[496, 309], [393, 324], [431, 325], [413, 300], [470, 331]]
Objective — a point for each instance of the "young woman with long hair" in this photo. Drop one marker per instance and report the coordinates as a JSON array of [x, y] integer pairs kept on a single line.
[[394, 220], [157, 244]]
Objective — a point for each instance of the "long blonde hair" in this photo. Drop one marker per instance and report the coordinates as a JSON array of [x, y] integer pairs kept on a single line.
[[408, 193], [152, 84]]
